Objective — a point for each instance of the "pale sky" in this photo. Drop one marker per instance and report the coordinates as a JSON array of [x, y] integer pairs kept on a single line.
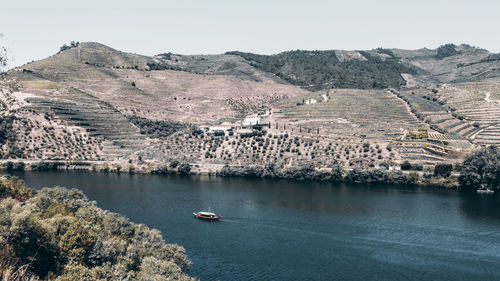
[[35, 29]]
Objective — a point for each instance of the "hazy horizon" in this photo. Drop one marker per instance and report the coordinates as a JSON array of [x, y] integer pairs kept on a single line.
[[34, 30]]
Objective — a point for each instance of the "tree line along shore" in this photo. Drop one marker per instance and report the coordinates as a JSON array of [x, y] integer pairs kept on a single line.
[[478, 170]]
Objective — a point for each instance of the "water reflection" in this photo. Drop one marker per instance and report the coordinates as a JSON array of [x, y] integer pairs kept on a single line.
[[480, 206]]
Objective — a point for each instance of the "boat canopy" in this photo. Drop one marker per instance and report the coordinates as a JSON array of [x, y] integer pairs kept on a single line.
[[206, 214]]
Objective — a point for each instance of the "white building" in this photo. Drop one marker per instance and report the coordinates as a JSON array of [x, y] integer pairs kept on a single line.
[[224, 127], [251, 120], [204, 128], [311, 101]]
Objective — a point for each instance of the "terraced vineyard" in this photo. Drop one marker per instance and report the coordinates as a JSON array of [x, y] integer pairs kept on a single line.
[[489, 135], [420, 152], [351, 113], [479, 107], [71, 107]]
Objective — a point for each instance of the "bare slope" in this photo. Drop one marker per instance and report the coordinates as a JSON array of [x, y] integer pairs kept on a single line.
[[451, 63], [122, 80]]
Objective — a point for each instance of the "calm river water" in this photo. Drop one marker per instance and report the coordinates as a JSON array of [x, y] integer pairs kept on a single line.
[[283, 230]]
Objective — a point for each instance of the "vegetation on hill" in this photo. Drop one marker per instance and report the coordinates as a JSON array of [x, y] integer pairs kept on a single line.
[[65, 47], [7, 134], [3, 58], [482, 168], [58, 234], [157, 129], [491, 58], [8, 138], [316, 70], [446, 50]]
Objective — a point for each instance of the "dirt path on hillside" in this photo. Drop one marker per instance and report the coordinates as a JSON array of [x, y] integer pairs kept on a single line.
[[487, 99]]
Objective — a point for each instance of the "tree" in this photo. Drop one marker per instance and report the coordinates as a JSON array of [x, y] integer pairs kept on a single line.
[[366, 146], [482, 167], [443, 170], [3, 57], [184, 169], [447, 50], [174, 164], [337, 173], [64, 48], [406, 166]]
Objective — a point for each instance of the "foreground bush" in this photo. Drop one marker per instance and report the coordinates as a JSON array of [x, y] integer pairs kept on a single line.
[[58, 234]]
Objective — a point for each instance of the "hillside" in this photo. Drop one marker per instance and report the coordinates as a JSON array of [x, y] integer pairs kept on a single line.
[[452, 64], [101, 108]]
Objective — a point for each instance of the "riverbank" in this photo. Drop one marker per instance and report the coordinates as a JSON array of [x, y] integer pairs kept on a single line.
[[305, 172]]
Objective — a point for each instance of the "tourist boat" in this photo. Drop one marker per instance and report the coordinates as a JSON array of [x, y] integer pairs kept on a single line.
[[485, 190], [207, 215]]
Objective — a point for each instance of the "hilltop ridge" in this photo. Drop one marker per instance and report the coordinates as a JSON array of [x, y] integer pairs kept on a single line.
[[312, 70]]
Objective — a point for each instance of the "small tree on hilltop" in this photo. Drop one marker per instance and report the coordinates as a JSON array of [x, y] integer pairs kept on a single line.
[[3, 58]]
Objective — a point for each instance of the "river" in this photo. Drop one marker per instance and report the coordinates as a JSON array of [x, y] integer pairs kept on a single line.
[[285, 230]]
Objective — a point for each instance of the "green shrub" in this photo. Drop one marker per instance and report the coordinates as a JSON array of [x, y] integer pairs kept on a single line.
[[481, 168], [161, 170], [405, 166], [417, 167], [443, 170], [46, 166], [174, 164], [184, 169], [158, 129], [58, 234], [14, 166], [447, 50]]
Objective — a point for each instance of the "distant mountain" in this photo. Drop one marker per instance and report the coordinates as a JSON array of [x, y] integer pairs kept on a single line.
[[311, 70], [373, 69]]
